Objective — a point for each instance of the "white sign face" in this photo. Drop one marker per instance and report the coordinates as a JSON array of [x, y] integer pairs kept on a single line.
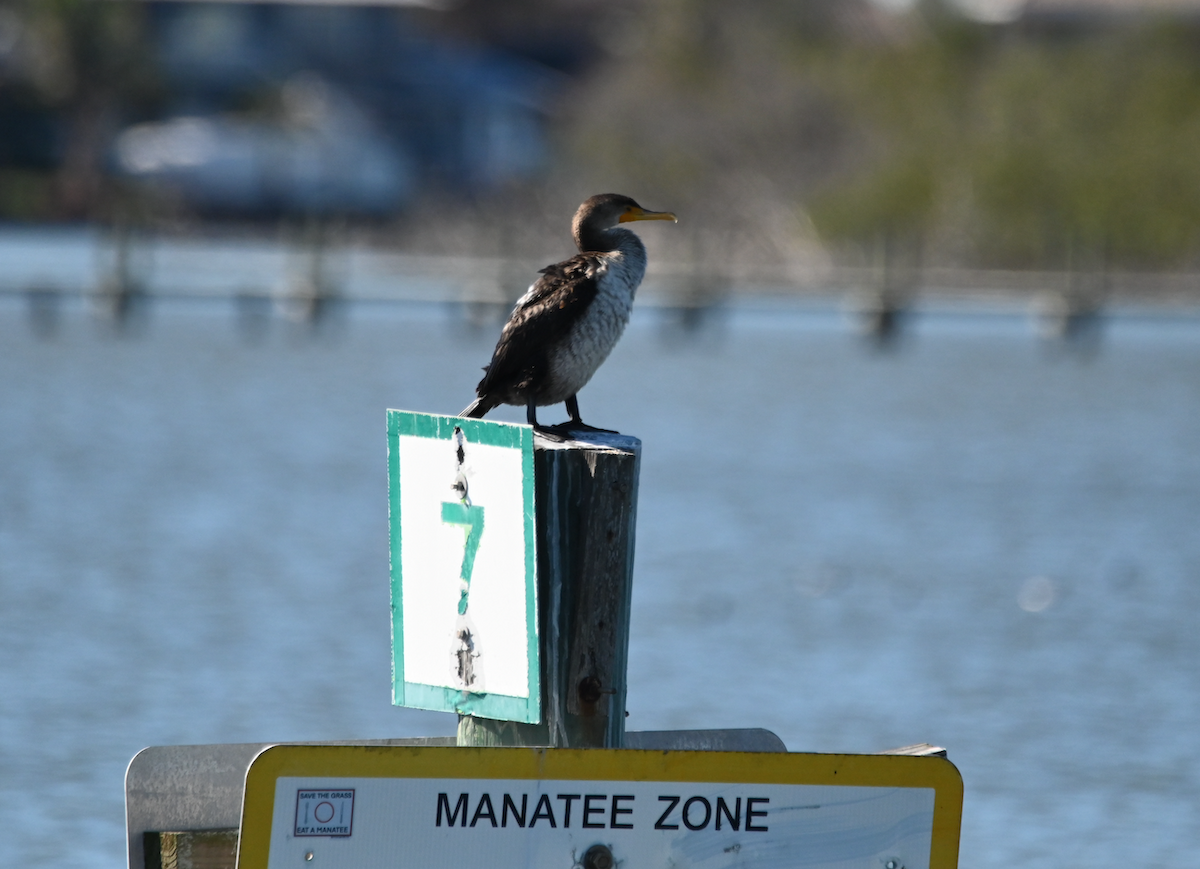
[[464, 608], [788, 810]]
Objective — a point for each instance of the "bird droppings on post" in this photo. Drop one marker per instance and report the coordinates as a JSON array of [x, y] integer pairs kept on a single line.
[[465, 655], [461, 451], [471, 518]]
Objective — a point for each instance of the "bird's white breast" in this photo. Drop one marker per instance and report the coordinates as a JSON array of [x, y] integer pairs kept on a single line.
[[592, 337]]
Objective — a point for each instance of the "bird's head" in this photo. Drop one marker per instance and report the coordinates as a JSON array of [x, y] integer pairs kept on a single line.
[[603, 212]]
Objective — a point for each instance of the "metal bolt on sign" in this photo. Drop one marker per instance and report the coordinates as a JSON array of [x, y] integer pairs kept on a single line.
[[597, 857]]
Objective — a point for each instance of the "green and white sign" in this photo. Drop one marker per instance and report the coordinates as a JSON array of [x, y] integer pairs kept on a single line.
[[464, 566]]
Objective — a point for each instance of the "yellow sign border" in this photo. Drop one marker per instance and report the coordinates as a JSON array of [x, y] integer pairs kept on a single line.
[[372, 761]]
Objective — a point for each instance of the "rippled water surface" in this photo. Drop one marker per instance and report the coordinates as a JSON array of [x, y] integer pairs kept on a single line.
[[972, 540]]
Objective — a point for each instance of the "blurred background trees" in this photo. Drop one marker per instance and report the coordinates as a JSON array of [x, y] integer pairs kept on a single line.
[[71, 71], [1060, 139], [1058, 143]]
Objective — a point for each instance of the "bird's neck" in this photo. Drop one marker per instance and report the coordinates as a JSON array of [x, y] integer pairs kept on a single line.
[[616, 238], [626, 256]]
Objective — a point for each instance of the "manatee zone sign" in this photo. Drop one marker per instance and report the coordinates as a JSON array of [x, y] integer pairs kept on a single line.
[[370, 807], [463, 566]]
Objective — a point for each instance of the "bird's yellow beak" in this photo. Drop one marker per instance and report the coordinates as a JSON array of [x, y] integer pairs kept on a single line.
[[635, 213]]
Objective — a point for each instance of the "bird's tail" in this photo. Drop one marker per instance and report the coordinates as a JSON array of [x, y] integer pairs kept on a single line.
[[477, 408]]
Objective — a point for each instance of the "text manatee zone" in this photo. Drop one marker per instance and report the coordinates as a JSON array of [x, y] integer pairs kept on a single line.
[[604, 811]]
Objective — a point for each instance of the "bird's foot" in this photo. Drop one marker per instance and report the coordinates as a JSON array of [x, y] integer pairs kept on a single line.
[[550, 432], [580, 425], [563, 430]]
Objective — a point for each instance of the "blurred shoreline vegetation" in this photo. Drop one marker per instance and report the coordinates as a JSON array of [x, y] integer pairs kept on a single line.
[[71, 72], [782, 131], [925, 137]]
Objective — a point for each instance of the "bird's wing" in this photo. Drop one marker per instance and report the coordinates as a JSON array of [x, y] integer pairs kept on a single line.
[[541, 317]]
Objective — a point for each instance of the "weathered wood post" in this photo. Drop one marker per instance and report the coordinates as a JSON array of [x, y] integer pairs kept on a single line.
[[586, 503]]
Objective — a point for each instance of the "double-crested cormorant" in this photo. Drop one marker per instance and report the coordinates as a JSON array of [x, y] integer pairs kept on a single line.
[[568, 322]]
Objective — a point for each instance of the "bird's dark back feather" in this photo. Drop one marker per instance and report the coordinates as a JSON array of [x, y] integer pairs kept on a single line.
[[542, 318]]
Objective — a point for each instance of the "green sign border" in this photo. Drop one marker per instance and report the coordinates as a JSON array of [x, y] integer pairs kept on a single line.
[[438, 697]]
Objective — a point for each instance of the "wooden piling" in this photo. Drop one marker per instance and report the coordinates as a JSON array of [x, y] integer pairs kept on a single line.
[[586, 503], [191, 849]]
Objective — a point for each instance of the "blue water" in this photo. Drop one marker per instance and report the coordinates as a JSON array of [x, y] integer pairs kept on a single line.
[[974, 540]]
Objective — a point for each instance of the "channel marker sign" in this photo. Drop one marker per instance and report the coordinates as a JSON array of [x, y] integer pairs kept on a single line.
[[463, 566]]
